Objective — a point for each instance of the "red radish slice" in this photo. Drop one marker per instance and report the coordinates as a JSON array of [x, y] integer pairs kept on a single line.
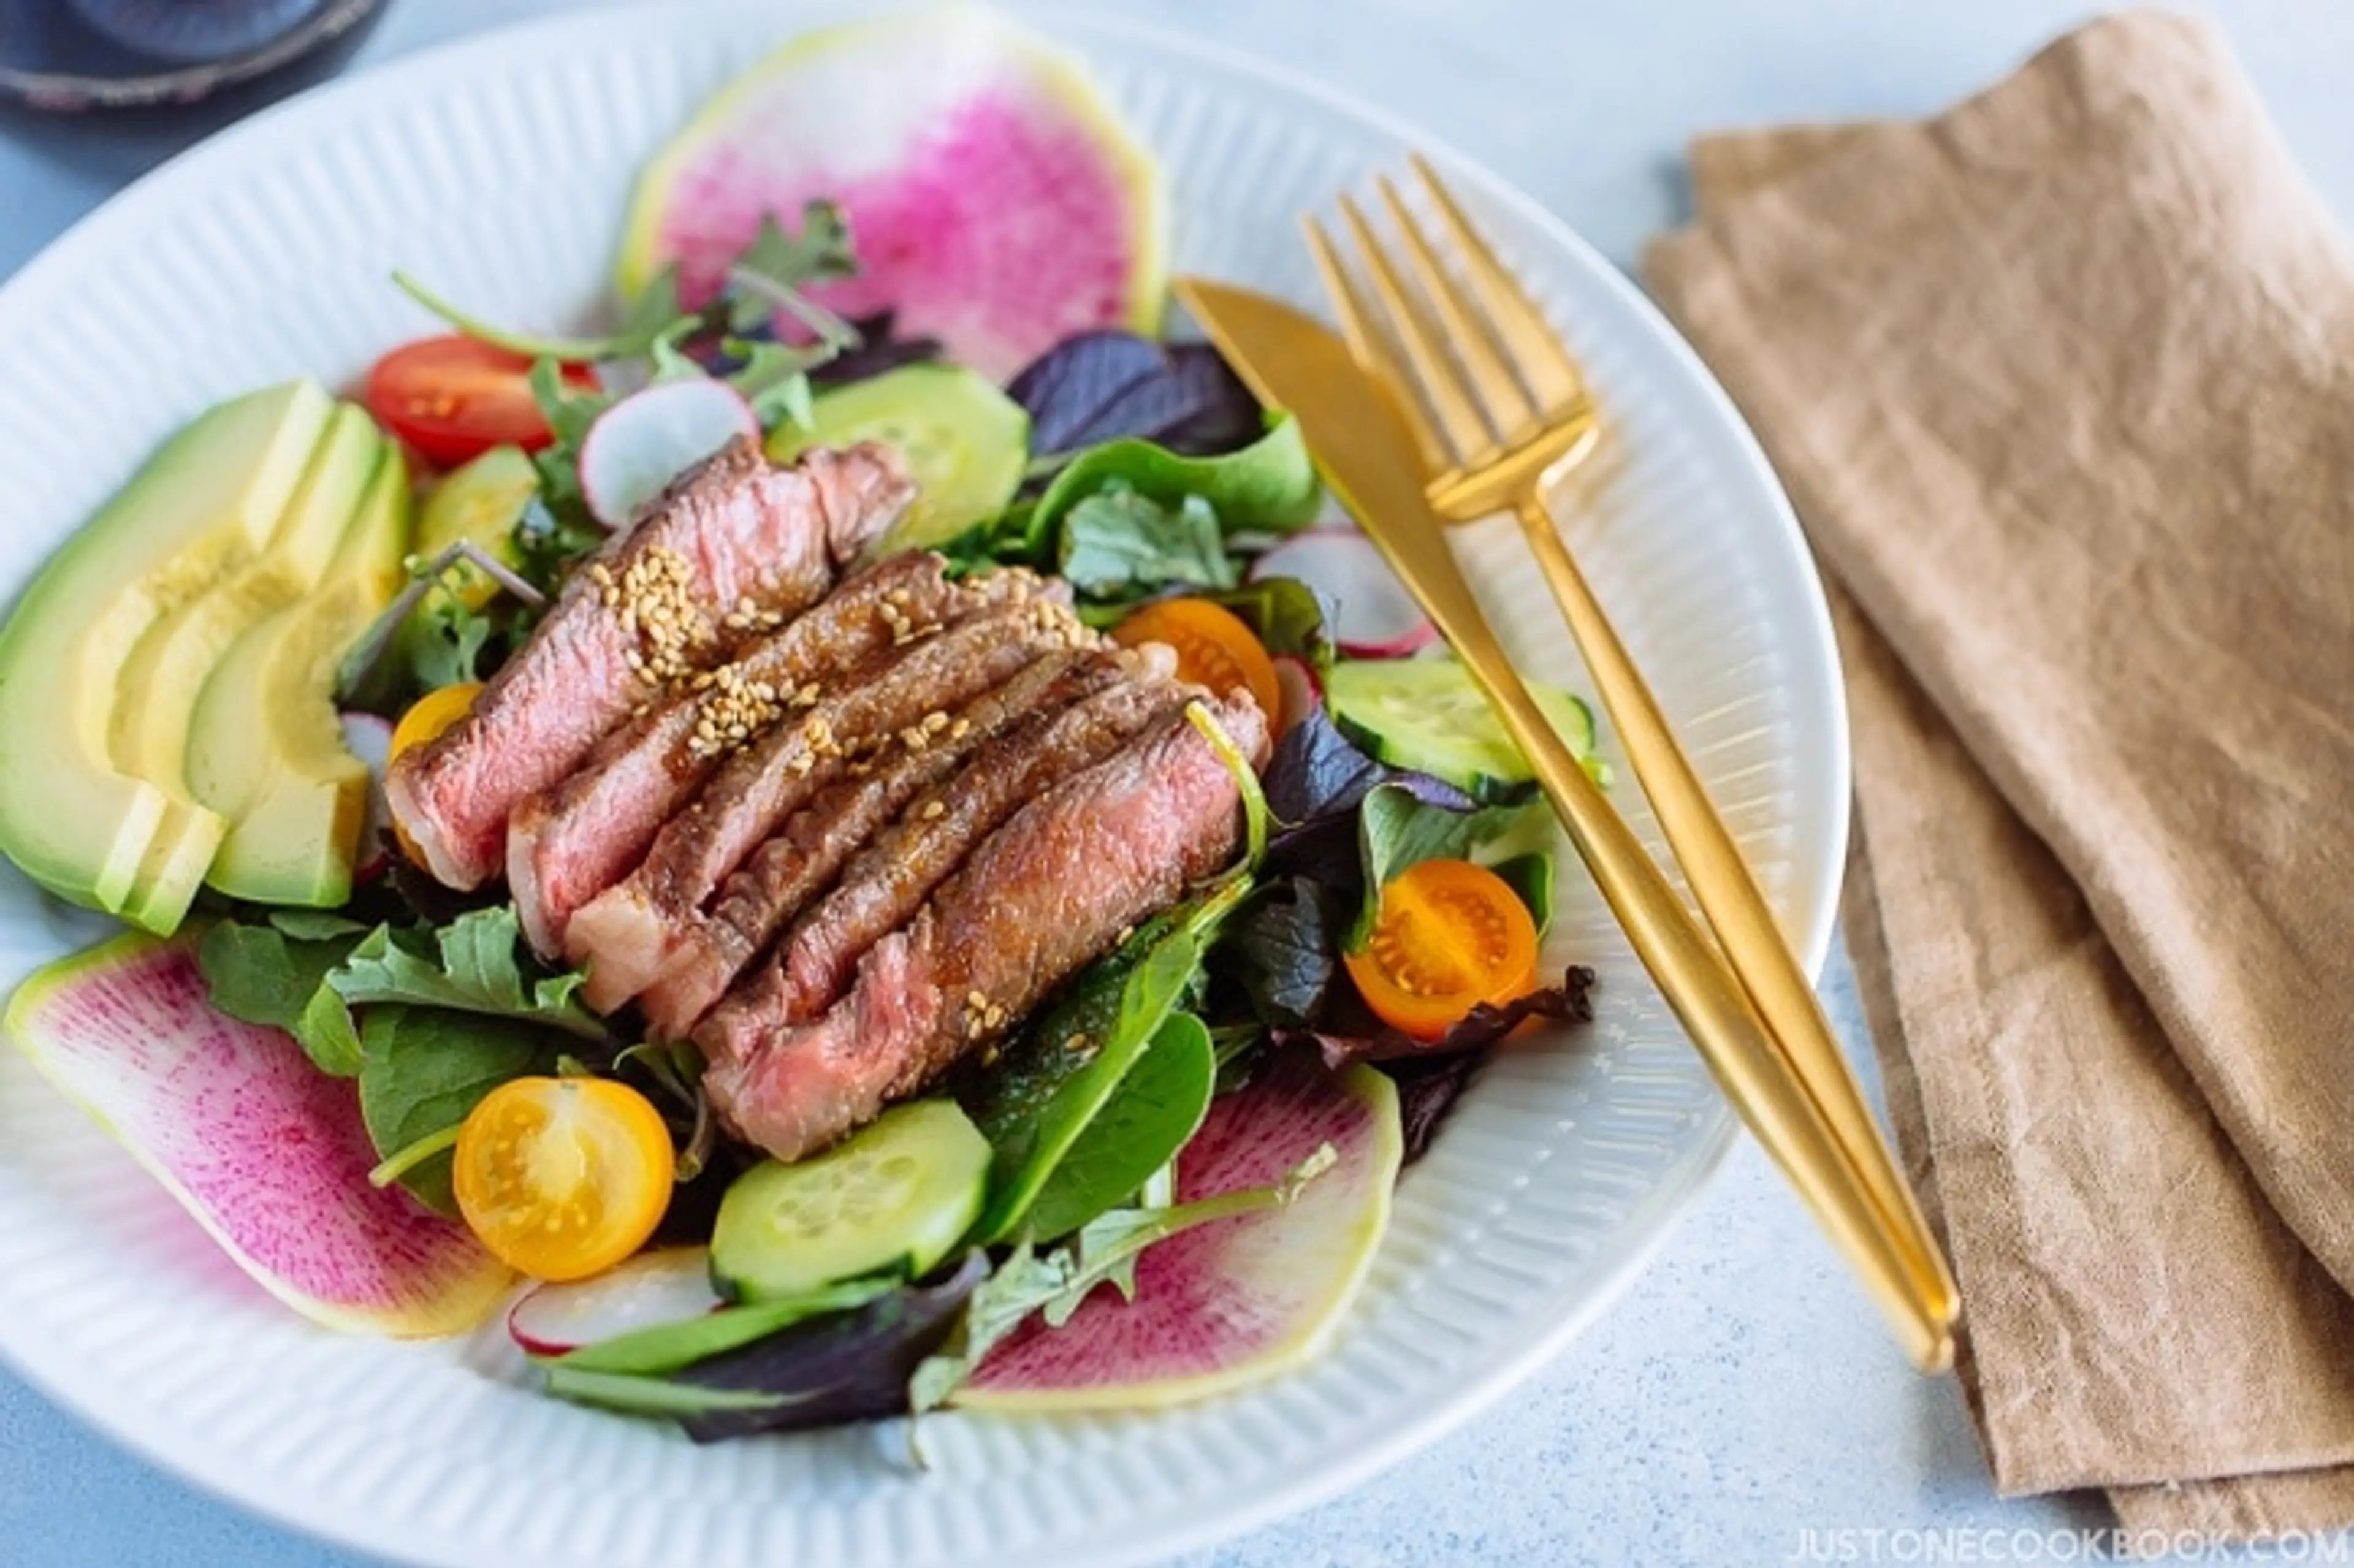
[[368, 737], [265, 1152], [1238, 1300], [652, 1288], [1303, 693], [1372, 615], [650, 438]]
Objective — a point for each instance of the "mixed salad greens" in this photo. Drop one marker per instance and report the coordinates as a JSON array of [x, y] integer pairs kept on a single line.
[[1264, 1051]]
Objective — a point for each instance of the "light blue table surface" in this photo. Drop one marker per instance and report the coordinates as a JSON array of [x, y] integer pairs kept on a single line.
[[1741, 1393]]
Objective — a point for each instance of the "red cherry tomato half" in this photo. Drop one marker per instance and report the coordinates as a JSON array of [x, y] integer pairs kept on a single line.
[[453, 399]]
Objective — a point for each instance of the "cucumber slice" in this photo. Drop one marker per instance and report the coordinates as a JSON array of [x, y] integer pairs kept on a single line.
[[893, 1198], [1428, 714], [479, 502], [965, 441]]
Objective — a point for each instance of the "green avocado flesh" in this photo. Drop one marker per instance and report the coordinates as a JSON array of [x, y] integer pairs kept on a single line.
[[265, 747], [247, 515], [156, 695], [74, 820]]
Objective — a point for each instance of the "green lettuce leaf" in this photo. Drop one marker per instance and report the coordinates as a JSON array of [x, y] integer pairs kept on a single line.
[[1395, 830], [1118, 544], [423, 1069], [265, 974], [1158, 1108], [1284, 614], [1269, 487], [1069, 1062], [472, 965], [670, 1347]]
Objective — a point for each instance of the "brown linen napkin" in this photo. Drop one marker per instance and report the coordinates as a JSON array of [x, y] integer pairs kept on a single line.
[[2062, 384]]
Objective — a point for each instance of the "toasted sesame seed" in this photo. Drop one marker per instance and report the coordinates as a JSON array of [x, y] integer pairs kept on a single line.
[[934, 811], [976, 999], [959, 729]]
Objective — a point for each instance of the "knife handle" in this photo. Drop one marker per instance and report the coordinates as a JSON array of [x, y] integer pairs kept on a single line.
[[1704, 994]]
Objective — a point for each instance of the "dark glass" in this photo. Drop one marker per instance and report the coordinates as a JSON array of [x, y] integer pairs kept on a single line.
[[117, 85]]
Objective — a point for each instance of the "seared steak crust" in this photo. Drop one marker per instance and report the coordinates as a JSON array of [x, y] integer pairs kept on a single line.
[[892, 874], [731, 544], [570, 842], [1050, 890], [883, 889], [811, 848], [629, 934]]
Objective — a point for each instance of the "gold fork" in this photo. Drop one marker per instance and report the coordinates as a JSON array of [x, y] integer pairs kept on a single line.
[[1501, 416]]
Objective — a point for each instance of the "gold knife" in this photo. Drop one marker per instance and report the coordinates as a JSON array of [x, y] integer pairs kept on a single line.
[[1365, 451]]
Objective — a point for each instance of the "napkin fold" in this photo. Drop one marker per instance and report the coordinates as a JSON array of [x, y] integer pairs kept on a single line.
[[2062, 383]]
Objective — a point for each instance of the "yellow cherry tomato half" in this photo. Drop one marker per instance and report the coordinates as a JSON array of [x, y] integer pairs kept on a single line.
[[427, 717], [563, 1178], [1451, 936], [1214, 648], [432, 713]]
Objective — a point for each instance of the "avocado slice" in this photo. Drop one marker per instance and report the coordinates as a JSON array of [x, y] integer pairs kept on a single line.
[[156, 695], [478, 503], [70, 815], [265, 748]]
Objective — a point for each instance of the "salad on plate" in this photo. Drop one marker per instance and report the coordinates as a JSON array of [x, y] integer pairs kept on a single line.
[[860, 837]]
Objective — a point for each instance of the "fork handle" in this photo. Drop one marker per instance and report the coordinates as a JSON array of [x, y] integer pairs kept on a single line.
[[1707, 999], [1736, 910]]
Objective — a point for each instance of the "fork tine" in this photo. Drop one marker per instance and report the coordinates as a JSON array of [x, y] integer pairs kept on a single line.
[[1434, 377], [1365, 343], [1494, 383], [1552, 374]]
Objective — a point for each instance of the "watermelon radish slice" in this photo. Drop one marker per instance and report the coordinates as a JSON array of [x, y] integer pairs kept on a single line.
[[650, 437], [997, 202], [1372, 615], [267, 1153], [368, 737], [1236, 1301], [660, 1287]]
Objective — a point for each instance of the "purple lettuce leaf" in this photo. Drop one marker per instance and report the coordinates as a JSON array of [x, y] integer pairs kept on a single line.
[[1226, 417], [1349, 1032], [879, 348], [1098, 387], [1427, 1088], [1282, 947], [831, 1371]]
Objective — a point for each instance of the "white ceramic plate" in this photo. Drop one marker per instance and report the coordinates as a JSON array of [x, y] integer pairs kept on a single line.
[[497, 169]]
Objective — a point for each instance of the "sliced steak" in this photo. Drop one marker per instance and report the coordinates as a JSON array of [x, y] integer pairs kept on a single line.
[[568, 843], [816, 842], [1049, 891], [628, 934], [734, 546], [883, 888]]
